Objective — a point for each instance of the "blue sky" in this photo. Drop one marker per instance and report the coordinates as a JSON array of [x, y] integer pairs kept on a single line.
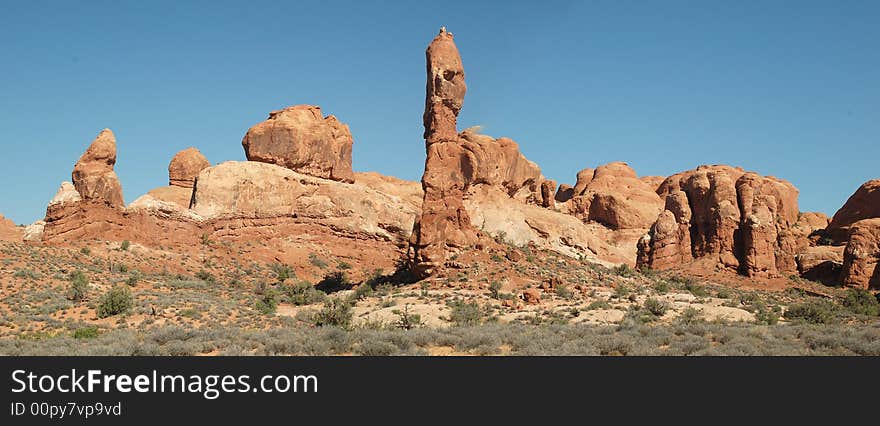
[[790, 89]]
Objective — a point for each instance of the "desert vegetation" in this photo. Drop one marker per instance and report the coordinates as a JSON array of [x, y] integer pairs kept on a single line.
[[84, 301]]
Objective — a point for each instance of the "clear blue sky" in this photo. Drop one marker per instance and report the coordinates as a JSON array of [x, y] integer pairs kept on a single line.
[[789, 88]]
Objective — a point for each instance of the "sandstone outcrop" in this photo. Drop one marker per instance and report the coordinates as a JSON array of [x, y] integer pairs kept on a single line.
[[746, 222], [822, 264], [185, 166], [258, 190], [8, 230], [863, 204], [444, 223], [302, 139], [476, 186], [93, 175], [66, 193], [614, 196], [862, 254], [461, 165], [177, 196]]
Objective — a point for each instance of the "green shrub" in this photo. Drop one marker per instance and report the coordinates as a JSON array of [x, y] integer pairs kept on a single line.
[[125, 245], [79, 286], [689, 315], [656, 307], [465, 313], [661, 287], [89, 332], [563, 292], [282, 272], [317, 261], [116, 301], [767, 315], [625, 271], [861, 302], [495, 289], [598, 304], [334, 281], [205, 276], [336, 312], [133, 279], [406, 320], [303, 293], [86, 251], [267, 304], [816, 312]]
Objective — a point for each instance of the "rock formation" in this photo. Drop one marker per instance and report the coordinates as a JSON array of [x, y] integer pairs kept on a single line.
[[185, 166], [614, 196], [236, 189], [458, 162], [302, 139], [862, 255], [93, 174], [8, 230], [476, 186], [743, 220], [863, 204], [177, 196]]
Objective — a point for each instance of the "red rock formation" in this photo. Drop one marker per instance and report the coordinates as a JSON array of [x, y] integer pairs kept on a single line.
[[821, 264], [185, 166], [564, 193], [8, 230], [862, 255], [458, 163], [547, 193], [444, 222], [668, 242], [614, 196], [743, 220], [863, 204], [302, 139], [93, 174]]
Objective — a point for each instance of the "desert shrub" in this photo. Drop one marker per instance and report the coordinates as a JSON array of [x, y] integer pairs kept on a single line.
[[303, 293], [89, 332], [79, 286], [317, 261], [86, 251], [267, 304], [598, 304], [656, 307], [336, 312], [406, 320], [816, 312], [119, 268], [861, 302], [625, 271], [495, 289], [661, 287], [133, 278], [282, 272], [689, 315], [116, 301], [205, 276], [563, 292], [465, 313], [125, 245], [767, 315], [334, 281], [343, 265]]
